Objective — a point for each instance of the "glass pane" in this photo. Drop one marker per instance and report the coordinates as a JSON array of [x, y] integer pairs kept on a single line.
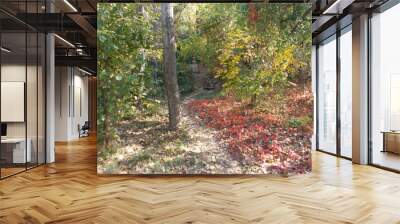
[[13, 86], [386, 89], [31, 86], [41, 99], [346, 92], [31, 97], [327, 95], [314, 87], [22, 89]]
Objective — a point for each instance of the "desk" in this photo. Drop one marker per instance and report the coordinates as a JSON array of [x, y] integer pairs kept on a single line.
[[13, 150], [391, 141]]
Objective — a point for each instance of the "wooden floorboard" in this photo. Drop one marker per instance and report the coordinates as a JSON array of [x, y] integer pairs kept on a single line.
[[70, 191]]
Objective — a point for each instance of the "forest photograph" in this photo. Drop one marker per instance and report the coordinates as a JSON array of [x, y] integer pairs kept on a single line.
[[204, 88]]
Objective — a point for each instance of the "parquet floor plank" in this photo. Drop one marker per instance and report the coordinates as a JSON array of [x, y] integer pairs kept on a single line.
[[70, 191]]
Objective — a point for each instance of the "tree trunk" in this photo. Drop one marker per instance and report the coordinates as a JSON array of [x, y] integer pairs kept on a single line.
[[107, 126], [170, 77], [253, 101], [252, 14], [139, 100]]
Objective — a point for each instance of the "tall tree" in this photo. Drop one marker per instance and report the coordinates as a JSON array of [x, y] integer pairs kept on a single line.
[[171, 81]]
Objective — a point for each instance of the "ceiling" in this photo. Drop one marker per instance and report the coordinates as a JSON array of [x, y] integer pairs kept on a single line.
[[331, 15], [74, 21]]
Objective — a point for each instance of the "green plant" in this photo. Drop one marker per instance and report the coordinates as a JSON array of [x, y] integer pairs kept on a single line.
[[141, 156], [299, 121]]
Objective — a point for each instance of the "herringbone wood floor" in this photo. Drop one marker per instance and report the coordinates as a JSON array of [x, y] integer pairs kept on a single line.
[[69, 191]]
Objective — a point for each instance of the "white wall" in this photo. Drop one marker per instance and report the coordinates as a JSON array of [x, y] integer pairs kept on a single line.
[[62, 82], [14, 72], [80, 89], [70, 83], [33, 127]]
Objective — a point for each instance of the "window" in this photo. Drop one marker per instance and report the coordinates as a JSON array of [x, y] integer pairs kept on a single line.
[[22, 88], [385, 89], [346, 92], [327, 95]]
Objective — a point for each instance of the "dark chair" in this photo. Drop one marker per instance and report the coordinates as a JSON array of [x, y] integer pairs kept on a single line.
[[84, 130]]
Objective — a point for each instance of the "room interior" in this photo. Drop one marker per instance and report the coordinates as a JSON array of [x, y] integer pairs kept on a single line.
[[385, 89], [25, 64], [22, 102], [336, 83]]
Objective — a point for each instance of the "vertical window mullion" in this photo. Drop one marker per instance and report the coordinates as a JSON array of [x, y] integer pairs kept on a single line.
[[369, 76], [317, 97], [26, 86], [338, 76], [37, 90]]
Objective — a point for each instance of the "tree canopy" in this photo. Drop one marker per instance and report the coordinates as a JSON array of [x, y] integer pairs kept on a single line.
[[253, 50]]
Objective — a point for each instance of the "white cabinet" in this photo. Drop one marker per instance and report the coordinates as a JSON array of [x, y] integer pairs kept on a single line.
[[19, 155]]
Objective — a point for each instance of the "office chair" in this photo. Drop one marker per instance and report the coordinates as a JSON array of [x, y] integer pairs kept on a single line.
[[84, 130]]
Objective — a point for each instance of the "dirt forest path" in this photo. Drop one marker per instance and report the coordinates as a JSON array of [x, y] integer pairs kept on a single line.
[[148, 147], [205, 146]]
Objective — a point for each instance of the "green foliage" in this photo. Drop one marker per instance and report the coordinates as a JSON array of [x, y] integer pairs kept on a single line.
[[184, 73], [126, 46], [255, 50], [208, 95], [141, 156], [294, 123], [174, 163], [299, 121]]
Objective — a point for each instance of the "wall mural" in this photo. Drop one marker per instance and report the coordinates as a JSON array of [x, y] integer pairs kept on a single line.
[[204, 88]]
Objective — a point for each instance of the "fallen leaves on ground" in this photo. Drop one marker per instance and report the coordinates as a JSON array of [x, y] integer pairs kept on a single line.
[[259, 138], [216, 136]]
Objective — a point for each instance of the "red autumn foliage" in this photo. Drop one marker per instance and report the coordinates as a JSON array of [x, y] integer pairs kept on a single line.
[[258, 138], [302, 103]]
